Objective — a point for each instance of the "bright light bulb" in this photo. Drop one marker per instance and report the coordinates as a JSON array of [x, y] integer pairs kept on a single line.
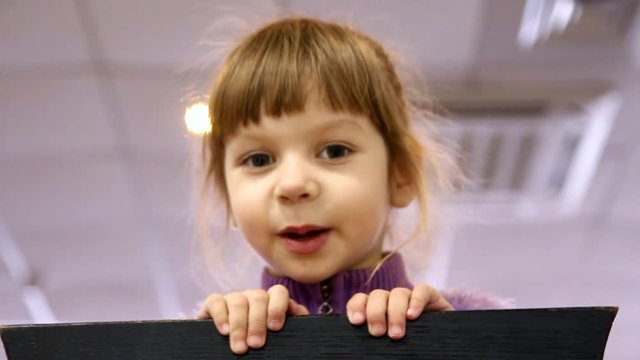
[[196, 117]]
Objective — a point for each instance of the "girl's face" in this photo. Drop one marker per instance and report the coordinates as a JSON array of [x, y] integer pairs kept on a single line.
[[310, 191]]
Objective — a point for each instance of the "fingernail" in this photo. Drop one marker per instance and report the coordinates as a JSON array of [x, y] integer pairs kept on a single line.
[[224, 329], [411, 312], [240, 346], [377, 330], [274, 324], [255, 341], [395, 331], [358, 318]]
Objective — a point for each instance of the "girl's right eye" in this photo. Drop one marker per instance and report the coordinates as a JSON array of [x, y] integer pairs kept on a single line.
[[258, 160]]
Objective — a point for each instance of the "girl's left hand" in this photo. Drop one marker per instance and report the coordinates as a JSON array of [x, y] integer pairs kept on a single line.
[[389, 310]]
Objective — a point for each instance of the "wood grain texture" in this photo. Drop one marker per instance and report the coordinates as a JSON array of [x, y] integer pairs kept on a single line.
[[564, 333]]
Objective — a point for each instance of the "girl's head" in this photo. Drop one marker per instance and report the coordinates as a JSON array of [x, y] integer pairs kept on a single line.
[[311, 139]]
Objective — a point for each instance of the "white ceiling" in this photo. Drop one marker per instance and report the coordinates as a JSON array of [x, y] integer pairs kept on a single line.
[[95, 165]]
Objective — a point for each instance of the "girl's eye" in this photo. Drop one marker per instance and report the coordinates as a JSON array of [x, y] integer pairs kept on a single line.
[[334, 151], [258, 160]]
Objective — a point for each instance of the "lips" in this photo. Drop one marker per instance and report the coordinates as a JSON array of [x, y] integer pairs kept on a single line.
[[306, 239], [302, 233]]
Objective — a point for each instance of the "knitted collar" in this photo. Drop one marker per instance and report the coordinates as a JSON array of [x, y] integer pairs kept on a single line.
[[331, 295]]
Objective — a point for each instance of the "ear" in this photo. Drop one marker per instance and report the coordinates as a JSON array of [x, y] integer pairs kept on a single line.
[[402, 191]]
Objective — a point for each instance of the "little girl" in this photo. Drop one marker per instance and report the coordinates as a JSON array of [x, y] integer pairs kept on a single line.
[[311, 147]]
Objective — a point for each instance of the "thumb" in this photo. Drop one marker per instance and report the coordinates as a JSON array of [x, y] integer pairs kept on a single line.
[[296, 309]]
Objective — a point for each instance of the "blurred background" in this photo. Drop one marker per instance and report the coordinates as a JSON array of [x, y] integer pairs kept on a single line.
[[96, 185]]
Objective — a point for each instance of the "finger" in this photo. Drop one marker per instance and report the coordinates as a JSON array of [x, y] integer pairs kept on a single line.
[[215, 307], [257, 322], [296, 309], [426, 298], [397, 312], [356, 308], [238, 306], [376, 311], [203, 313], [437, 302], [277, 307]]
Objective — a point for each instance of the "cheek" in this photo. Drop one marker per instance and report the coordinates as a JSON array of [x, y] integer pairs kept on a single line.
[[374, 202], [249, 222], [240, 201], [247, 205], [363, 202]]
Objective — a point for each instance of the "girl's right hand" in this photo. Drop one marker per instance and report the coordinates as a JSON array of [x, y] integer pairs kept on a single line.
[[246, 316]]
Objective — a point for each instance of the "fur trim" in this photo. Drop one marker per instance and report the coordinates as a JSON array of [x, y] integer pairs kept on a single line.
[[465, 299]]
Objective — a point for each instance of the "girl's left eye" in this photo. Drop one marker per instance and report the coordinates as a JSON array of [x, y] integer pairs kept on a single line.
[[334, 151]]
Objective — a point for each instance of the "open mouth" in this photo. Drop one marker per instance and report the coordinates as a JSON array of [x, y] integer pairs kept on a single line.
[[305, 239], [302, 233], [301, 236]]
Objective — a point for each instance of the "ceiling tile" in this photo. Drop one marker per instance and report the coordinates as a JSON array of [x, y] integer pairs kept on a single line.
[[115, 261], [153, 111], [167, 33], [53, 116], [116, 250], [496, 257], [626, 129], [40, 33], [627, 192], [183, 255], [169, 184], [58, 192], [614, 259], [80, 266], [106, 298]]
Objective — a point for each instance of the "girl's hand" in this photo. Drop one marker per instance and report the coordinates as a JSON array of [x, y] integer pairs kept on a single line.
[[246, 316], [389, 310]]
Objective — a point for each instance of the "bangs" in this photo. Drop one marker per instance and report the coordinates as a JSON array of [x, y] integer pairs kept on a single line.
[[275, 70]]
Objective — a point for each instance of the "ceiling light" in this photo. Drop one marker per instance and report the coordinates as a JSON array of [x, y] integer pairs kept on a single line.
[[196, 117]]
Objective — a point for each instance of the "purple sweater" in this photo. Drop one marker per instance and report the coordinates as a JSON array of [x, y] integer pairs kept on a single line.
[[331, 295]]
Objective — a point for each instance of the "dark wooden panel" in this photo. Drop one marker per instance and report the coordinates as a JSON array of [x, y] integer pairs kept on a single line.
[[566, 333]]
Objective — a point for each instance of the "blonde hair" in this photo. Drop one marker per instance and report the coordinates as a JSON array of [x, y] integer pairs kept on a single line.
[[274, 69]]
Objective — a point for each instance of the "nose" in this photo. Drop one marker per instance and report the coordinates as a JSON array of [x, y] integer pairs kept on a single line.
[[296, 182]]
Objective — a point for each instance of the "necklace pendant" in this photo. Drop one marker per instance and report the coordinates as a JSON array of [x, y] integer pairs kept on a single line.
[[325, 308]]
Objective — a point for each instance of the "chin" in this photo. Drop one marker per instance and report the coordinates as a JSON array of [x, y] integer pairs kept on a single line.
[[309, 277]]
